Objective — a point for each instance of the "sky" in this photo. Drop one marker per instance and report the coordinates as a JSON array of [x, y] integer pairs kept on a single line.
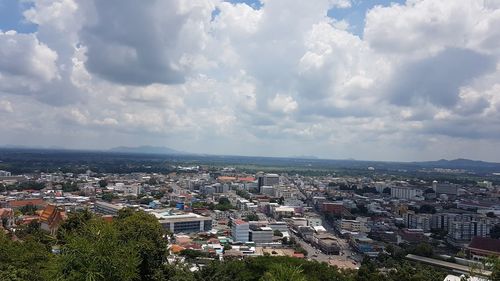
[[373, 80]]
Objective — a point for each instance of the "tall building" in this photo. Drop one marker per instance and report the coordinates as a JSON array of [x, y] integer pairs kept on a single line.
[[404, 192], [268, 180], [240, 230], [418, 221], [465, 227]]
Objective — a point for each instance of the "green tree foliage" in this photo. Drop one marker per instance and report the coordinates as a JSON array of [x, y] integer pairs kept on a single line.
[[284, 273], [96, 252], [423, 249], [28, 185], [427, 209], [29, 209], [103, 183], [252, 217], [495, 231], [27, 261], [142, 231], [76, 222], [69, 187], [223, 204], [108, 197]]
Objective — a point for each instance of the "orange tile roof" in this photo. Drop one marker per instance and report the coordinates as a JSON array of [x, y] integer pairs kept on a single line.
[[239, 221], [22, 203], [225, 178], [52, 215], [248, 179], [176, 248], [6, 212]]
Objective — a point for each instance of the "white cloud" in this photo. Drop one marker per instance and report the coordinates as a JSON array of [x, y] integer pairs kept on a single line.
[[283, 103], [214, 76]]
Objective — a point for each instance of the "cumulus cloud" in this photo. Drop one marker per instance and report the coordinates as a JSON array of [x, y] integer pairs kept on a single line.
[[221, 77], [437, 79], [25, 63]]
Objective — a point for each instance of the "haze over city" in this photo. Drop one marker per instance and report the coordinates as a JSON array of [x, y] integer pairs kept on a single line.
[[375, 80]]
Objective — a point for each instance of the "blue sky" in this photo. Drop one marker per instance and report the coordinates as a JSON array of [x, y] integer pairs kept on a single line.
[[12, 18], [355, 15]]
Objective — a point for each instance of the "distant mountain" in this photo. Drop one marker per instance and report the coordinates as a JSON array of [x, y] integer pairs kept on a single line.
[[146, 149], [305, 157], [460, 164]]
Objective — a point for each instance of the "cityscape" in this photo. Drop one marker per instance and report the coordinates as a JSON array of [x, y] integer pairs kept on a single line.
[[209, 212], [250, 140]]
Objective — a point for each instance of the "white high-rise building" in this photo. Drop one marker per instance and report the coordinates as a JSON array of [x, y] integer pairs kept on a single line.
[[240, 230], [404, 192]]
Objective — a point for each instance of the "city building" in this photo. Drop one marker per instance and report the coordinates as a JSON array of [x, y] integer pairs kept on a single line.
[[261, 235], [240, 230], [268, 180], [462, 228], [483, 247], [405, 192], [106, 208], [327, 243], [185, 222]]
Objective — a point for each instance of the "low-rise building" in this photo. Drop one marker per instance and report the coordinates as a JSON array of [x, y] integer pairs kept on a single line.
[[186, 223], [106, 208]]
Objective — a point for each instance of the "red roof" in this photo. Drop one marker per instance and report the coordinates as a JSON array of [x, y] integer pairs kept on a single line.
[[22, 203], [298, 255], [485, 244], [248, 179], [238, 222]]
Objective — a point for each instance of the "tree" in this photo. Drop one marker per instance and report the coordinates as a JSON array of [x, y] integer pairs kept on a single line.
[[108, 197], [427, 209], [102, 183], [252, 217], [491, 215], [284, 273], [96, 252], [495, 231], [143, 232], [29, 209], [76, 221], [277, 233], [70, 187], [423, 249]]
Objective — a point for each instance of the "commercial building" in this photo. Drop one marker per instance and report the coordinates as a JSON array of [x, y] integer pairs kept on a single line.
[[186, 223], [261, 235], [105, 208], [418, 221], [268, 180], [240, 230], [314, 221], [334, 208], [357, 225], [405, 192], [327, 243], [463, 228]]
